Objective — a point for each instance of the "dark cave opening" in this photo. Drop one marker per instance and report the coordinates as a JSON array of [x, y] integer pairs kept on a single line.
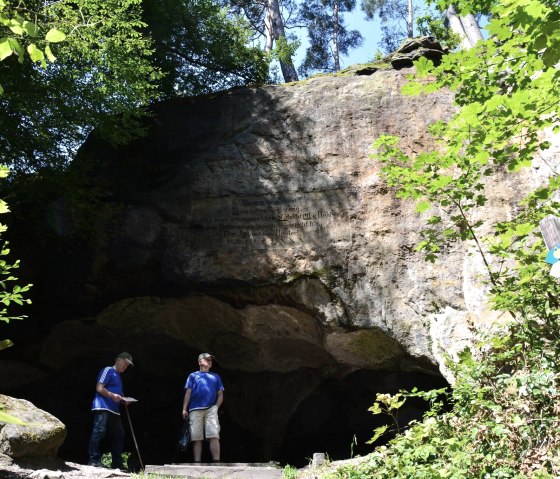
[[283, 417], [333, 418]]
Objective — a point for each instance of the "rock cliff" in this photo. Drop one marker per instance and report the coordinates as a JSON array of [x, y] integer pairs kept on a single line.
[[254, 224], [268, 200]]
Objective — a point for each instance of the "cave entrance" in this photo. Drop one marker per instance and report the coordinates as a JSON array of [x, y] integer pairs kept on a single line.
[[335, 420], [332, 417], [267, 416]]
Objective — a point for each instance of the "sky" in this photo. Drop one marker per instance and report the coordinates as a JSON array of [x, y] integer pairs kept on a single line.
[[370, 30]]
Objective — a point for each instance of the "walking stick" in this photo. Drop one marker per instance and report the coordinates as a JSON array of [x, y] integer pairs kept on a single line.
[[133, 436]]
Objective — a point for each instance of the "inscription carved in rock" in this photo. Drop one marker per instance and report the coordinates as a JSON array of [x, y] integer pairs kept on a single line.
[[264, 223]]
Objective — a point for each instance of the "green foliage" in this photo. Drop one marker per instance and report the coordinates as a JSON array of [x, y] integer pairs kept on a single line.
[[19, 35], [503, 421], [387, 404], [106, 459], [290, 472], [9, 291], [116, 58], [102, 78], [10, 294], [202, 47], [508, 91], [284, 50], [502, 424], [433, 25]]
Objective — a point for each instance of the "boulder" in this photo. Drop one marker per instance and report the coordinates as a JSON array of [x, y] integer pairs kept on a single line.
[[414, 48], [40, 436]]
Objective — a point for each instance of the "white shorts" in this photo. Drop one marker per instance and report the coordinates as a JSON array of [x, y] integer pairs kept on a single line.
[[204, 423]]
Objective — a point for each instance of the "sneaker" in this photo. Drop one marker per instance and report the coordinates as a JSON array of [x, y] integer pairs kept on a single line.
[[95, 464]]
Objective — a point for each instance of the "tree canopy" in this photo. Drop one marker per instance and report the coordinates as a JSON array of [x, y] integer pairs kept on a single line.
[[117, 57], [202, 46], [329, 38], [102, 77]]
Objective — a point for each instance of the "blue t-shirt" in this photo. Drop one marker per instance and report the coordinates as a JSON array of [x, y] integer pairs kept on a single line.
[[205, 387], [111, 379]]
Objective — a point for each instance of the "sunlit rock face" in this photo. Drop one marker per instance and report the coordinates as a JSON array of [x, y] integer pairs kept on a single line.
[[268, 200], [254, 224]]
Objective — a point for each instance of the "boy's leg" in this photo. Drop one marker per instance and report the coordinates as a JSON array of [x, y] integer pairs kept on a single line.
[[197, 450], [212, 431], [214, 444], [196, 421]]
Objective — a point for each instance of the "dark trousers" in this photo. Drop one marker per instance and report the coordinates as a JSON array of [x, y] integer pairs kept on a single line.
[[106, 422]]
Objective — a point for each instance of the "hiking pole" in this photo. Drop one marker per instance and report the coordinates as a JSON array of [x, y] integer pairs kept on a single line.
[[133, 437]]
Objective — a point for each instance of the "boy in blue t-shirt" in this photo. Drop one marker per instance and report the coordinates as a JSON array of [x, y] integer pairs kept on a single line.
[[204, 394]]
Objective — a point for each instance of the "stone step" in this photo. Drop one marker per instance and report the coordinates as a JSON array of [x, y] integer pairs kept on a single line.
[[228, 470]]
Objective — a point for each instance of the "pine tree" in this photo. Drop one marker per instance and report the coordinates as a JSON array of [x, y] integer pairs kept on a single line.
[[393, 14], [328, 36], [269, 20]]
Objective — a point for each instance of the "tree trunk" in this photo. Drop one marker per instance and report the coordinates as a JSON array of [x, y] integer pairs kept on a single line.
[[274, 27], [410, 20], [466, 27], [471, 28], [335, 37]]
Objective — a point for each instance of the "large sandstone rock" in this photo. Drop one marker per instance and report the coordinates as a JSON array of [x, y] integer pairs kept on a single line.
[[260, 211], [414, 48], [254, 224], [42, 435], [269, 196]]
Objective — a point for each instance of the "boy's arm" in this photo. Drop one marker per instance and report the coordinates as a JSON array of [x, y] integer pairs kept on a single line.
[[186, 402]]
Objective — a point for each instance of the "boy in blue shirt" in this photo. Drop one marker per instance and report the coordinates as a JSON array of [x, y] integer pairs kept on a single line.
[[204, 394], [106, 412]]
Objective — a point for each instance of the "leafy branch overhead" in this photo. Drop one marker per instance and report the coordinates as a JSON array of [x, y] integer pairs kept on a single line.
[[102, 78], [507, 88], [10, 292], [26, 34]]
